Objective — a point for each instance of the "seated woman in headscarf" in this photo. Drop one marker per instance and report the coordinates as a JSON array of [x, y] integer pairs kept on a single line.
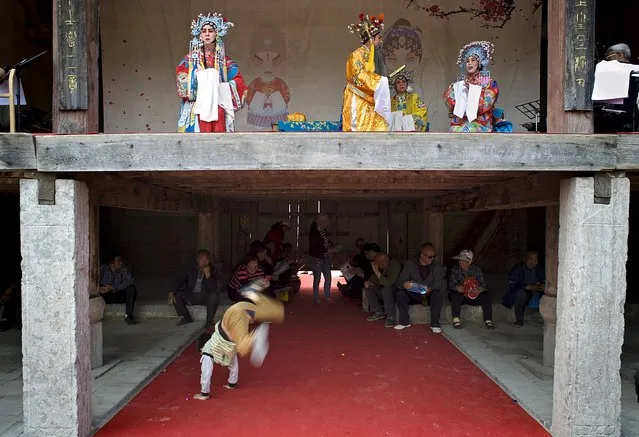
[[471, 100]]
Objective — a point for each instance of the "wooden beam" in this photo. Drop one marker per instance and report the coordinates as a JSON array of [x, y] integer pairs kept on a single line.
[[116, 192], [75, 69], [490, 232], [17, 152], [628, 152], [558, 120], [326, 151], [541, 189]]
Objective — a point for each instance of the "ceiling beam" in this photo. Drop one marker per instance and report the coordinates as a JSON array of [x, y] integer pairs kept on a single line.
[[17, 151], [327, 151], [540, 189], [117, 192]]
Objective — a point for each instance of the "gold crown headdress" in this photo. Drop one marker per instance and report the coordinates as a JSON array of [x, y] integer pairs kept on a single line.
[[368, 27]]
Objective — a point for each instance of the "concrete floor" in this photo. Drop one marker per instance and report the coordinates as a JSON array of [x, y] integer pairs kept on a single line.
[[512, 357], [133, 355]]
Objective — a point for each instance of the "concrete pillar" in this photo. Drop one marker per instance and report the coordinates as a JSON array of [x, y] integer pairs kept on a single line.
[[593, 250], [55, 310], [548, 304]]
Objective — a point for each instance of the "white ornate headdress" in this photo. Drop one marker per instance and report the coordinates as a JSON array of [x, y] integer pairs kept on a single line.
[[215, 20], [221, 26], [482, 50]]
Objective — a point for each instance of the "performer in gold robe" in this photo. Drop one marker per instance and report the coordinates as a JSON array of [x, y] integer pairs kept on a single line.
[[409, 106], [366, 105]]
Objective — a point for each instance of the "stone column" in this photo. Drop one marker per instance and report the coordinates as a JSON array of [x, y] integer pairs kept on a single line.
[[55, 310], [548, 304], [593, 250]]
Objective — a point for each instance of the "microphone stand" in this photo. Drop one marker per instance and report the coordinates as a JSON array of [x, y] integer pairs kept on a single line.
[[17, 67]]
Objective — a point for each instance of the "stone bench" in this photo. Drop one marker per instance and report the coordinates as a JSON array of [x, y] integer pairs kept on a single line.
[[160, 309], [420, 314]]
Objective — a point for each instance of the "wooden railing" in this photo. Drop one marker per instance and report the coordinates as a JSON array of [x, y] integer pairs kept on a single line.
[[12, 101]]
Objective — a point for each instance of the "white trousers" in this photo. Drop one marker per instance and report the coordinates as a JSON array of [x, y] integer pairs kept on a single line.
[[207, 372]]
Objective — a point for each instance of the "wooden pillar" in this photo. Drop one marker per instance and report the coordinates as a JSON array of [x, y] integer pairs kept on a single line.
[[570, 65], [552, 247], [548, 304], [75, 66], [94, 249], [215, 239], [205, 232], [435, 232]]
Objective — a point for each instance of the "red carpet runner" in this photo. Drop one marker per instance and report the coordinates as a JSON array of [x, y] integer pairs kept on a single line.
[[330, 373]]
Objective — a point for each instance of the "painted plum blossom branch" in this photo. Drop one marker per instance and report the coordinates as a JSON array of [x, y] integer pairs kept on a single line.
[[494, 13]]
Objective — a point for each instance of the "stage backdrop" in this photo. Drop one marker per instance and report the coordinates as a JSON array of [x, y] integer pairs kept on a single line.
[[293, 54]]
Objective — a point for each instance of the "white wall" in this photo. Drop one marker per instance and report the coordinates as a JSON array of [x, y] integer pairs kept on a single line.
[[143, 41]]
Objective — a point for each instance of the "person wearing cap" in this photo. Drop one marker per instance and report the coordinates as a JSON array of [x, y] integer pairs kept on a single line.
[[463, 270], [427, 272], [274, 238]]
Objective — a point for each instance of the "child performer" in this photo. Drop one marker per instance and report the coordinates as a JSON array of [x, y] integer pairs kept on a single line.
[[232, 337]]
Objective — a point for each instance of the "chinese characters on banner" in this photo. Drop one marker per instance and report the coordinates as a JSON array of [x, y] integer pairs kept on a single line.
[[580, 54], [72, 56]]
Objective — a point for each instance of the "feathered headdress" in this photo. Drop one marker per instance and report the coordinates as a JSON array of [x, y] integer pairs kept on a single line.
[[215, 20], [368, 27], [482, 50]]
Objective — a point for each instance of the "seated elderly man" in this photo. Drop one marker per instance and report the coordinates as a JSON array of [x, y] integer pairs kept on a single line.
[[424, 273], [116, 286], [197, 286], [524, 280], [382, 285], [618, 52]]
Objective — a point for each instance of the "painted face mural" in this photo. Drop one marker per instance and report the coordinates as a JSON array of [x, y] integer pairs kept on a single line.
[[268, 95], [402, 45]]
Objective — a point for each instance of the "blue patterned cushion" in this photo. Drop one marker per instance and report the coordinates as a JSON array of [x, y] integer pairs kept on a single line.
[[309, 126]]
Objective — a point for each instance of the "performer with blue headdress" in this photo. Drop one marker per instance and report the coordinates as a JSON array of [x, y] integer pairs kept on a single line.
[[209, 83], [471, 100]]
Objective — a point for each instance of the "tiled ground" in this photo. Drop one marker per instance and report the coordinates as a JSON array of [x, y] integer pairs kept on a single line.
[[513, 358], [132, 356]]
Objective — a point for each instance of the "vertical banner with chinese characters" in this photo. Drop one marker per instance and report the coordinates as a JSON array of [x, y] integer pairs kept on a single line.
[[72, 55], [580, 54]]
